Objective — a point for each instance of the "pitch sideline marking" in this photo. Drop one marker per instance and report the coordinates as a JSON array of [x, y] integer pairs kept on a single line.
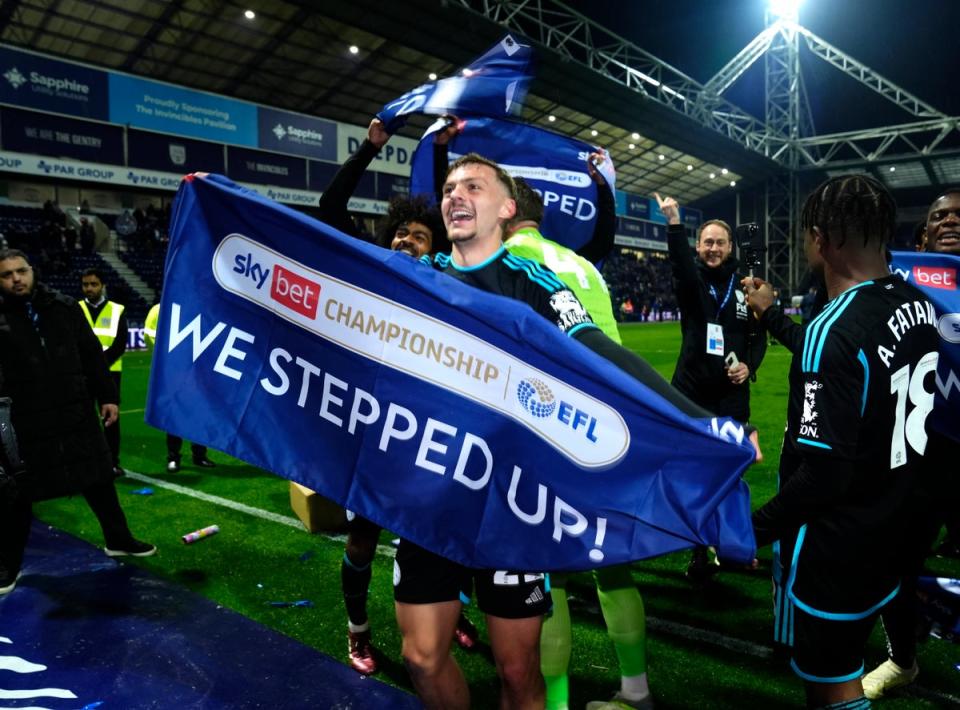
[[287, 520], [673, 628]]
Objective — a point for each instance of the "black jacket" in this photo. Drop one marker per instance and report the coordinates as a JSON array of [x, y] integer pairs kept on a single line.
[[55, 377], [700, 376]]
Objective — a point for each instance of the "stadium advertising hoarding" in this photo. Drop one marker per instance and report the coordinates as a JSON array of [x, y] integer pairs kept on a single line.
[[265, 168], [171, 109], [286, 132], [45, 134], [174, 154], [46, 84]]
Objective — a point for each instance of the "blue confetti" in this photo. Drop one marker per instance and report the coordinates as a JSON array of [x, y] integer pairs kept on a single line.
[[299, 602], [92, 705], [306, 555], [142, 492]]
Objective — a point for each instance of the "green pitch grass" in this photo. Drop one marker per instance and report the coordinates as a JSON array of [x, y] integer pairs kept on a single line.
[[708, 648]]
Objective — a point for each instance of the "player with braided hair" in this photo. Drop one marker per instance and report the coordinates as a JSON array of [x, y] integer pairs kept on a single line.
[[861, 386]]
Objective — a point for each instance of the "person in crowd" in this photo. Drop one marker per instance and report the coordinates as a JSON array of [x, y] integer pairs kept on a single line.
[[174, 443], [109, 324], [901, 617], [53, 370], [479, 199], [414, 227], [88, 236], [722, 346], [620, 601], [850, 463]]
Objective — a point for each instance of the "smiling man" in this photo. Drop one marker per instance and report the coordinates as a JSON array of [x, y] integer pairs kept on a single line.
[[714, 323], [479, 198]]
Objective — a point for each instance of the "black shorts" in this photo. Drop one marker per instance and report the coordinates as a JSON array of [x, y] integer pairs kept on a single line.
[[421, 577], [829, 650]]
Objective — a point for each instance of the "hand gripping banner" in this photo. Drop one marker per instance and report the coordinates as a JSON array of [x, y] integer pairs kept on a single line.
[[936, 275], [554, 165], [459, 419]]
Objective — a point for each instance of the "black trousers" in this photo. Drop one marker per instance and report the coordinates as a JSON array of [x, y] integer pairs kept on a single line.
[[112, 432], [175, 443], [15, 523]]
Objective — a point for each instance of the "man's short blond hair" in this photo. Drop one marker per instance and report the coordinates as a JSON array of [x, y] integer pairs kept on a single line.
[[720, 223], [476, 159]]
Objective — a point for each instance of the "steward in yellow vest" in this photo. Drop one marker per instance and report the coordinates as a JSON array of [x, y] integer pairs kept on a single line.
[[109, 324]]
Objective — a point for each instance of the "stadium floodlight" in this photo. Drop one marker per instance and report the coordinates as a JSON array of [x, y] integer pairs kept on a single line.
[[786, 9]]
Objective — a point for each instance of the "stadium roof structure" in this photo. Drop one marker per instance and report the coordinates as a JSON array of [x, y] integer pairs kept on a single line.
[[295, 56]]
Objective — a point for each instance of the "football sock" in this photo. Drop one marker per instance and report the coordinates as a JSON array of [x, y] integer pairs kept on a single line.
[[626, 625], [555, 646], [356, 583]]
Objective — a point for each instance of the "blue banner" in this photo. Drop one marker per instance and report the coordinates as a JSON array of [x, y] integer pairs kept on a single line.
[[47, 84], [46, 134], [494, 84], [936, 275], [459, 419], [157, 151], [171, 109], [554, 165], [287, 132], [266, 168]]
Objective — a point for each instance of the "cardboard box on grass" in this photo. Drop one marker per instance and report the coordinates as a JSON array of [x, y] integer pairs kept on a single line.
[[317, 513]]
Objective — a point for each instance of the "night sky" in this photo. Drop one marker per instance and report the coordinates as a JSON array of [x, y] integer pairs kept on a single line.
[[913, 43]]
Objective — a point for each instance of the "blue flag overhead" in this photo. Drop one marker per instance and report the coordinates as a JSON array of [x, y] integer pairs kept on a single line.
[[459, 419], [494, 84], [936, 275], [554, 165]]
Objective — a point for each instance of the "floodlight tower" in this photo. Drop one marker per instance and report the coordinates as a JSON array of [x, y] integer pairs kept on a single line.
[[787, 118]]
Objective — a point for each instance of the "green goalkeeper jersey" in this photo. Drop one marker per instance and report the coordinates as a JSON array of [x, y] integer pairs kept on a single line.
[[578, 274]]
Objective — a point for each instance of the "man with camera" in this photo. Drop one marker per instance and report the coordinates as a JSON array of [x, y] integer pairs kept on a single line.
[[722, 344]]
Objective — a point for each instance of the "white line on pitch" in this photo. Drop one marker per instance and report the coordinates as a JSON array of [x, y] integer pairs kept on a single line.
[[242, 508]]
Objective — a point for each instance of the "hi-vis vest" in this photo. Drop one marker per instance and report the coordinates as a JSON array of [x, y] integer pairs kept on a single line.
[[106, 327], [150, 326]]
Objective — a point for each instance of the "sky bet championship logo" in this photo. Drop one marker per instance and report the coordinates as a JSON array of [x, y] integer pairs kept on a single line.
[[587, 431]]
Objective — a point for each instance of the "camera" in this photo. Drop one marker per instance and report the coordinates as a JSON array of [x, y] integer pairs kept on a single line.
[[750, 243]]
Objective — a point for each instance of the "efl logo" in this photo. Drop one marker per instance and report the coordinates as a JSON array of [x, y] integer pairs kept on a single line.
[[934, 277], [536, 397], [295, 292]]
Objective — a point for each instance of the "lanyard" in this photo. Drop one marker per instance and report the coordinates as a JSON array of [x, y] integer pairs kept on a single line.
[[713, 292]]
